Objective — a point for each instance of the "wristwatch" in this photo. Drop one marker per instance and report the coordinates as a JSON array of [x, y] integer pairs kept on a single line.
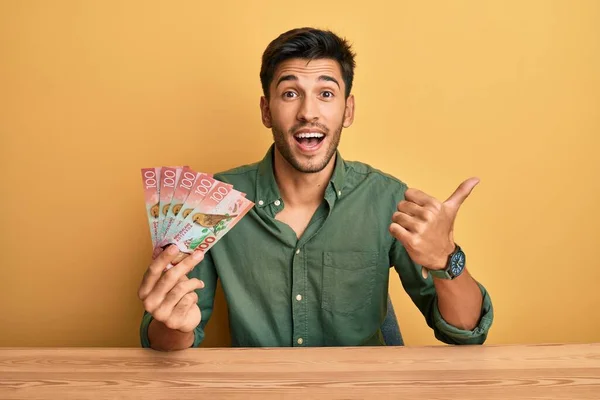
[[454, 267]]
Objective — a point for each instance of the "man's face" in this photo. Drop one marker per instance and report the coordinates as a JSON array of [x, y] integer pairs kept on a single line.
[[307, 111]]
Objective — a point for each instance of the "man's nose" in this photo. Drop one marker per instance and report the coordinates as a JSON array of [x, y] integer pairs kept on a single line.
[[309, 110]]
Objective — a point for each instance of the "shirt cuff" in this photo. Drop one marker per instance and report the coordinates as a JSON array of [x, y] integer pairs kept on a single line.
[[453, 335], [145, 342], [146, 319]]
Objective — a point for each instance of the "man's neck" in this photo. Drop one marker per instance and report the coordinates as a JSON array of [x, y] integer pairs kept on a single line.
[[299, 189]]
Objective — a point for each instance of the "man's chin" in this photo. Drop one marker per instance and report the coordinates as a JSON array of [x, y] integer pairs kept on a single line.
[[310, 169], [312, 166]]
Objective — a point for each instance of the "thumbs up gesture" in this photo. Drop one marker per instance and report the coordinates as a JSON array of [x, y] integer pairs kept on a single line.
[[425, 226]]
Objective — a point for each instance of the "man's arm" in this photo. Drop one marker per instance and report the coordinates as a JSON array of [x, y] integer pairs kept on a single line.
[[424, 232], [459, 301], [163, 338], [423, 292]]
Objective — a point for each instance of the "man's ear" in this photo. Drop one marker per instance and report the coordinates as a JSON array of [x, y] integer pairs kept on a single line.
[[265, 112], [349, 111]]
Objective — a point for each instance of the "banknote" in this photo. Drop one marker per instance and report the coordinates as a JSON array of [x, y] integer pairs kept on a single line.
[[169, 177], [182, 190], [150, 179], [210, 221], [209, 227], [189, 209], [216, 200], [202, 187]]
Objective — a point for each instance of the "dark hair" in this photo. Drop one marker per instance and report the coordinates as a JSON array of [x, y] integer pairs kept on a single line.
[[309, 43]]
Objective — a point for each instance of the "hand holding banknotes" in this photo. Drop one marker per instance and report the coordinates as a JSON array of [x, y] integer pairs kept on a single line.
[[170, 296], [188, 212]]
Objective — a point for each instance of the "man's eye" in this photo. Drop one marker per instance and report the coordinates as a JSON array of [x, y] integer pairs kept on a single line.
[[327, 94], [289, 94]]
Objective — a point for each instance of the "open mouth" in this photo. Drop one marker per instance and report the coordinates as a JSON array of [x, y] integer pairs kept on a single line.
[[309, 140]]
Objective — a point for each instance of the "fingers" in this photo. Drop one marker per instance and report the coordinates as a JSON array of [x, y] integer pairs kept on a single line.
[[182, 295], [181, 311], [418, 197], [415, 210], [409, 223], [155, 270], [399, 232], [185, 318], [178, 258], [461, 193], [169, 279]]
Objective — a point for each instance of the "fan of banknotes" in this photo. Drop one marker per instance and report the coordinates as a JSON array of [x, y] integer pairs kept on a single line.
[[189, 209]]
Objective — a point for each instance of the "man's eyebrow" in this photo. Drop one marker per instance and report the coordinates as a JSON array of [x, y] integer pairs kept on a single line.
[[329, 79], [286, 78], [320, 78]]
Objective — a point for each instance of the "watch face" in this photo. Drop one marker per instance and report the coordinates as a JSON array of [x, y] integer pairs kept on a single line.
[[457, 263]]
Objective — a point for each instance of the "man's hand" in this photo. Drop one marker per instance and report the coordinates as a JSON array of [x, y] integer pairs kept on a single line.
[[425, 226], [170, 296]]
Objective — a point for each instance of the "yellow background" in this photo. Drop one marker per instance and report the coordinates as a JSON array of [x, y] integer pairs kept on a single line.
[[91, 91]]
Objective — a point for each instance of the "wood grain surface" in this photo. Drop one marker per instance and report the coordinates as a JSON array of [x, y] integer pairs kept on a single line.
[[567, 371]]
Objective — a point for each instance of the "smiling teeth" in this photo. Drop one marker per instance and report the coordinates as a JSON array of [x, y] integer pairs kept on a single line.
[[309, 135]]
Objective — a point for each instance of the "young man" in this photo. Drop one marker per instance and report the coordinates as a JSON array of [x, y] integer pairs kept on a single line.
[[309, 265]]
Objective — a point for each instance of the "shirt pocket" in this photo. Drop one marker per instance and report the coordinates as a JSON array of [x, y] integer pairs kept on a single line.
[[348, 280]]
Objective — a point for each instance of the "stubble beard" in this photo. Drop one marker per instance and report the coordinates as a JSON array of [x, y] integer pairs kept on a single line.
[[309, 167]]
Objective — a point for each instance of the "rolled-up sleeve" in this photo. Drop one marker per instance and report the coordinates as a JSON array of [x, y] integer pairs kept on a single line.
[[422, 292], [452, 335]]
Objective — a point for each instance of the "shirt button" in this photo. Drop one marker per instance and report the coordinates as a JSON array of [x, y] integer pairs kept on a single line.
[[300, 340], [298, 251], [339, 192], [299, 297], [277, 203], [260, 202]]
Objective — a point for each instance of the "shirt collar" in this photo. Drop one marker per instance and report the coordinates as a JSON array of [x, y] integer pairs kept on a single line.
[[267, 190]]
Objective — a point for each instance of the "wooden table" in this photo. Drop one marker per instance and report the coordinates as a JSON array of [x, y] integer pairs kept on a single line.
[[440, 372]]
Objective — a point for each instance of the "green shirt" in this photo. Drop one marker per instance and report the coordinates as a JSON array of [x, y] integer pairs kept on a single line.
[[328, 288]]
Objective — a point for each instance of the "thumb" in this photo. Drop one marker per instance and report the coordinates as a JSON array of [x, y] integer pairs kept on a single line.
[[461, 193]]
